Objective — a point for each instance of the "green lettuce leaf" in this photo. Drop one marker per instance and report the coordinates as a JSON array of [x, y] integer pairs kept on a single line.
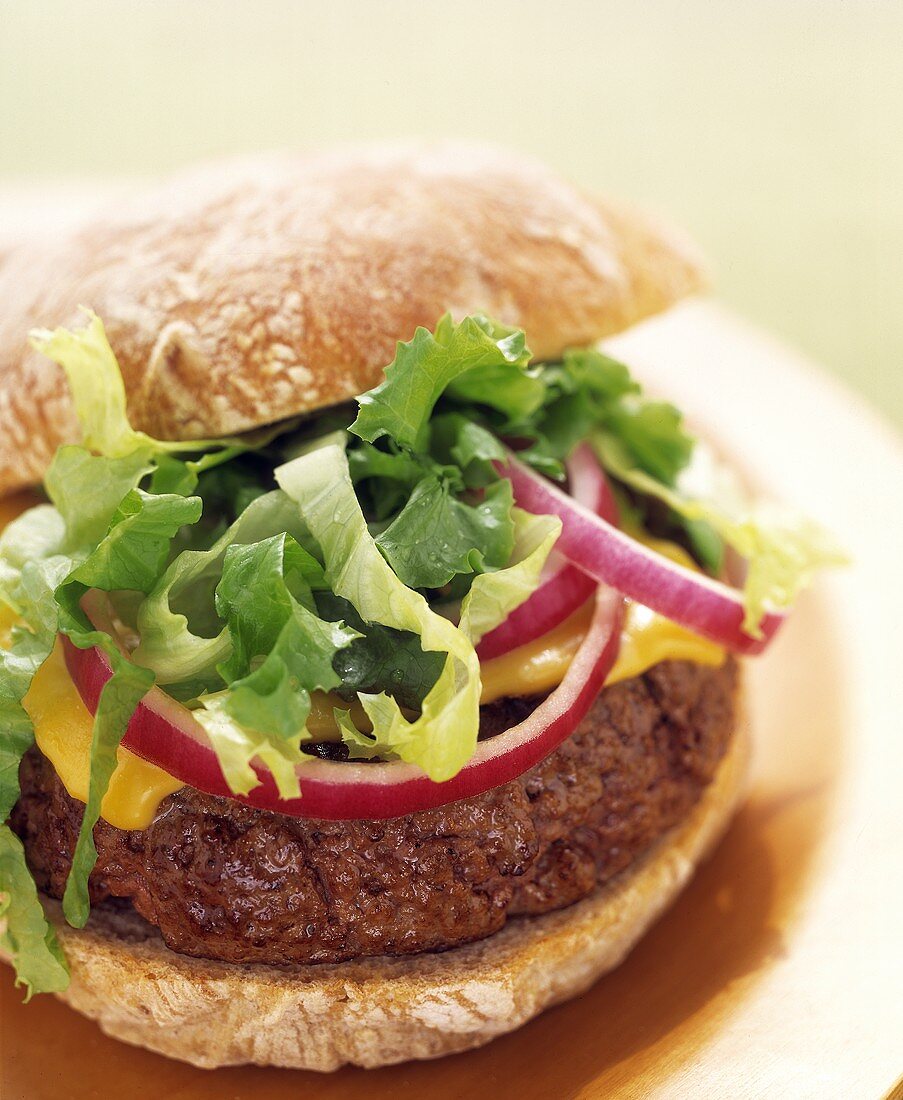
[[590, 391], [25, 934], [381, 658], [35, 535], [493, 596], [460, 442], [182, 476], [385, 476], [120, 696], [182, 637], [443, 737], [474, 361], [652, 434], [437, 536], [588, 370], [280, 651], [264, 714], [260, 585], [133, 553], [98, 392], [87, 489], [96, 385]]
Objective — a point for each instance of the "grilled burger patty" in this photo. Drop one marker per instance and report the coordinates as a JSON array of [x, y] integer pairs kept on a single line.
[[224, 881]]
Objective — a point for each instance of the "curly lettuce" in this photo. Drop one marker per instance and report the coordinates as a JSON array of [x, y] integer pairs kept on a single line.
[[443, 737], [26, 935], [28, 583], [493, 596], [476, 361], [280, 651]]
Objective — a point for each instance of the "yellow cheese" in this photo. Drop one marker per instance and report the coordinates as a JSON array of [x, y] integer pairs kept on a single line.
[[538, 666], [646, 640], [63, 727]]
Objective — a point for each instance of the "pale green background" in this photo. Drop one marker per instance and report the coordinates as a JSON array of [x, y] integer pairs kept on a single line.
[[770, 128]]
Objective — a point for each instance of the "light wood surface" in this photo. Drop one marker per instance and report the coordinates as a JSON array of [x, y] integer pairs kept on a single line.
[[778, 973]]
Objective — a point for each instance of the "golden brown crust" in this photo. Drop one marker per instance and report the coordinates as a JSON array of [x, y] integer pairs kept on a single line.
[[378, 1011], [250, 291]]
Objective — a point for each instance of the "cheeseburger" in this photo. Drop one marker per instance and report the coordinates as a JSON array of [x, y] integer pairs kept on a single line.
[[370, 677]]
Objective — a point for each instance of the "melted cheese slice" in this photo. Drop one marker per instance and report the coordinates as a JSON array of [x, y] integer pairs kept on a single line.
[[63, 724], [646, 640]]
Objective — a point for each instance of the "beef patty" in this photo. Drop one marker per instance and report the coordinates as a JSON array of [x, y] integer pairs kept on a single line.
[[225, 881]]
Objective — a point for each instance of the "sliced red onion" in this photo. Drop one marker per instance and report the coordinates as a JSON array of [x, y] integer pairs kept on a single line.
[[610, 557], [164, 732], [563, 587]]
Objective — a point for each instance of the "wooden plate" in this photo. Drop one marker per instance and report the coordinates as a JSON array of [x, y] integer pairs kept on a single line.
[[778, 973]]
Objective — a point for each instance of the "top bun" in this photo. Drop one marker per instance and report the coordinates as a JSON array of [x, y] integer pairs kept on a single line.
[[254, 290]]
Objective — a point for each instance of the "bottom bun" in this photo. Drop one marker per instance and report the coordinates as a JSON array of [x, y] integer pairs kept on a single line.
[[375, 1012]]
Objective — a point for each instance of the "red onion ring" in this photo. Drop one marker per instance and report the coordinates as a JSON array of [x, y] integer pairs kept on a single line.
[[563, 587], [610, 557], [163, 732]]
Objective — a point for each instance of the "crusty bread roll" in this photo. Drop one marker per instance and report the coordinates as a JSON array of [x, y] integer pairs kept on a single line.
[[250, 291], [378, 1011]]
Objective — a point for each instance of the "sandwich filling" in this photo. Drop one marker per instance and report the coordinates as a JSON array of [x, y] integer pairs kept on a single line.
[[364, 617]]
